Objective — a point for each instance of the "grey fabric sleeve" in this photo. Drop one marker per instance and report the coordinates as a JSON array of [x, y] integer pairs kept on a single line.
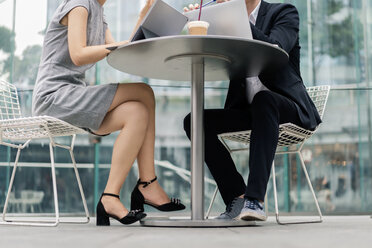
[[70, 5], [105, 25]]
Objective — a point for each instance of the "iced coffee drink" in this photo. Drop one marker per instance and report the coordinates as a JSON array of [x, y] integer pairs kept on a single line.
[[198, 27]]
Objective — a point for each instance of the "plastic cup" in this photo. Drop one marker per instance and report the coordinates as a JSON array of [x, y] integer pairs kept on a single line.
[[198, 27]]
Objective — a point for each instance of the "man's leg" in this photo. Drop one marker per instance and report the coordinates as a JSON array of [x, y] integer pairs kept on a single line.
[[218, 159], [269, 109]]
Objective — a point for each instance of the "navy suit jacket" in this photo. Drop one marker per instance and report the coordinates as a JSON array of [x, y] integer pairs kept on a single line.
[[279, 24]]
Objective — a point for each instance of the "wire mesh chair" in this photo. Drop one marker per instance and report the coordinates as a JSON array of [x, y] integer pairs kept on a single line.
[[291, 140], [17, 132]]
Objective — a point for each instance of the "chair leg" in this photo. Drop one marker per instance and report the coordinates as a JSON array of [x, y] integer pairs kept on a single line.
[[266, 203], [312, 190], [80, 188], [275, 195], [212, 202], [11, 185], [33, 222], [314, 196], [55, 193]]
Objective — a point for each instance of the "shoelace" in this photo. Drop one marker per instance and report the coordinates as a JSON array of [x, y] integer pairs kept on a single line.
[[229, 207], [253, 204]]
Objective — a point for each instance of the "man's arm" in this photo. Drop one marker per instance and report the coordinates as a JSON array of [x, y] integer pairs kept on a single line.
[[284, 31]]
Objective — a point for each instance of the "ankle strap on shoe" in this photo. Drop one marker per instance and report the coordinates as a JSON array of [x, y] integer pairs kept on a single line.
[[145, 184], [109, 194]]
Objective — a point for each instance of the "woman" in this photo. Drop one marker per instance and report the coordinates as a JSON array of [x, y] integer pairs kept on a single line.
[[76, 39]]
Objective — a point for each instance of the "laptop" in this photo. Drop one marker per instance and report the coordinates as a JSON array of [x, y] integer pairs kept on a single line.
[[161, 20], [227, 19]]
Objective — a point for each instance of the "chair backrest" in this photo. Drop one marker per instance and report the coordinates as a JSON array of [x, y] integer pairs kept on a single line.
[[319, 95], [9, 103]]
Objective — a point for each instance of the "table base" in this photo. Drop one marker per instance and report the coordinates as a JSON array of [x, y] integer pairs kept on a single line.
[[183, 222]]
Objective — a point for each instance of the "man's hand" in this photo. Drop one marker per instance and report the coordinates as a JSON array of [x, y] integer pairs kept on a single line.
[[197, 6], [191, 7]]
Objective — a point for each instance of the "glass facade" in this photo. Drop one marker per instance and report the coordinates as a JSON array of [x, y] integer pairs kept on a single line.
[[335, 37]]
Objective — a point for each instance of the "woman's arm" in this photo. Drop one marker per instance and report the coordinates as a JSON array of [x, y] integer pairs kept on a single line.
[[142, 15], [80, 53]]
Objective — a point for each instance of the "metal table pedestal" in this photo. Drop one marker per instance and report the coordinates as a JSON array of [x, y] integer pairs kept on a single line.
[[197, 151]]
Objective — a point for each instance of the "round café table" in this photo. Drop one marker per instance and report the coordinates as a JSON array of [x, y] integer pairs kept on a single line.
[[197, 59]]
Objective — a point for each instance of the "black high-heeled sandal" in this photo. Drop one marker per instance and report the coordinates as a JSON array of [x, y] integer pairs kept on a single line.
[[103, 218], [138, 200]]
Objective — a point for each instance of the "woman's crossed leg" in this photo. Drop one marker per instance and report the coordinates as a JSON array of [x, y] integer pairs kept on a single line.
[[132, 112]]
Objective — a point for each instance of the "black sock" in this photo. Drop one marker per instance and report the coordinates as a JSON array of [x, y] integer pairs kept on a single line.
[[250, 198]]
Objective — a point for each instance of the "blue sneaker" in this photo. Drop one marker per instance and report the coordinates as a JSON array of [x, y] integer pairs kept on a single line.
[[232, 210], [253, 210]]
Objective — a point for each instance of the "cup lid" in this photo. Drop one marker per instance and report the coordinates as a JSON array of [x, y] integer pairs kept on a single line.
[[198, 24]]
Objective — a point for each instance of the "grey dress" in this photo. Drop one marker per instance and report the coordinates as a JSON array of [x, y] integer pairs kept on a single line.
[[60, 89]]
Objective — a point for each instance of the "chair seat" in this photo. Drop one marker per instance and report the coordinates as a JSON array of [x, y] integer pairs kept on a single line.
[[36, 128], [289, 135]]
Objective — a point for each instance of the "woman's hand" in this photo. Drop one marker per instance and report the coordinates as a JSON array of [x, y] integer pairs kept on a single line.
[[146, 8], [142, 15], [197, 6], [120, 43]]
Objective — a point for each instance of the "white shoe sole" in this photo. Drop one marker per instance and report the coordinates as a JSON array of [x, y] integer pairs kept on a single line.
[[236, 218], [249, 216]]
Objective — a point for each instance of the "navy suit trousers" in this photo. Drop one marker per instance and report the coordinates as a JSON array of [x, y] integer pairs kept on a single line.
[[263, 117]]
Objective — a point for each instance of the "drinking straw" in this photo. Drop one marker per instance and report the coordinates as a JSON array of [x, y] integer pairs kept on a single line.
[[201, 6]]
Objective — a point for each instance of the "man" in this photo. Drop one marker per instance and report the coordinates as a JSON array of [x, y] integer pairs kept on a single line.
[[259, 104]]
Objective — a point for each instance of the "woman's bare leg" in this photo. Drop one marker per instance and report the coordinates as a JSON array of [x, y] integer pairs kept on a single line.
[[143, 94], [132, 119]]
